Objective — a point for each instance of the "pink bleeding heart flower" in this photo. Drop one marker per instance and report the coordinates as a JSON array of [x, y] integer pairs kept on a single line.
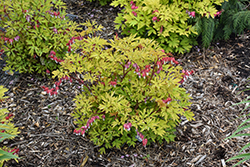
[[6, 39], [154, 18], [134, 7], [127, 126], [28, 18], [161, 29], [144, 74], [141, 136], [53, 53], [55, 30], [218, 13], [167, 100], [192, 14], [155, 11], [83, 133], [103, 117], [16, 38], [14, 151], [134, 13], [69, 49], [113, 83], [135, 66], [56, 89], [77, 132], [11, 41], [144, 142], [47, 71], [70, 81], [159, 64]]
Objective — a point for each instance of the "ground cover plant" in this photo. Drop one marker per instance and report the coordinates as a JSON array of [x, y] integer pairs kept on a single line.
[[32, 31]]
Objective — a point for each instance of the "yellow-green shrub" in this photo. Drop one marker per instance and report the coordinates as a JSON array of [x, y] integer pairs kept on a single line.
[[165, 21], [33, 31], [7, 131], [130, 89]]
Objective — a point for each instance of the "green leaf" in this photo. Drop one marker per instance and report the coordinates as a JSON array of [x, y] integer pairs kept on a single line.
[[246, 146], [173, 42], [6, 155], [5, 136], [102, 150], [246, 155], [133, 23]]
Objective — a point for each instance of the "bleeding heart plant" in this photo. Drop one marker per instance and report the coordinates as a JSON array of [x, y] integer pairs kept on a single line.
[[134, 86], [167, 22], [33, 30]]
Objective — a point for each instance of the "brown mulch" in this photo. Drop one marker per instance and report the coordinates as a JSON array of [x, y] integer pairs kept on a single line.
[[46, 126]]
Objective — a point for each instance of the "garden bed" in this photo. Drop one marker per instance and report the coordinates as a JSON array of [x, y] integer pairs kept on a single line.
[[46, 126]]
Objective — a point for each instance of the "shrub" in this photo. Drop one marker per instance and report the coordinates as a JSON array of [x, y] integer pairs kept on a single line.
[[130, 90], [7, 131], [167, 22], [233, 17], [32, 32]]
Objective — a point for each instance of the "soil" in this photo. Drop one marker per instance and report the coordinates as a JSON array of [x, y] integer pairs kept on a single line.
[[46, 127]]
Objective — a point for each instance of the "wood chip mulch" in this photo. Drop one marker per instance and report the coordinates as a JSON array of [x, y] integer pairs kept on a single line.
[[46, 126]]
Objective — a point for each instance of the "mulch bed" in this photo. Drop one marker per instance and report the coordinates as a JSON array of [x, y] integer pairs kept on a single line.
[[46, 126]]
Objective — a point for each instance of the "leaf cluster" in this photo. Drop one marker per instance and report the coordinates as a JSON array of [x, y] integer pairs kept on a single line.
[[133, 99], [172, 29], [32, 22], [10, 131]]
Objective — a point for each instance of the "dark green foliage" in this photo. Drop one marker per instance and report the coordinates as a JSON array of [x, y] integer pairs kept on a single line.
[[205, 27], [234, 19], [102, 2]]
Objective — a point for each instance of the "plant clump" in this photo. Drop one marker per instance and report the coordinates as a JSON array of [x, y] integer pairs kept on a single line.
[[32, 31], [170, 23], [131, 90]]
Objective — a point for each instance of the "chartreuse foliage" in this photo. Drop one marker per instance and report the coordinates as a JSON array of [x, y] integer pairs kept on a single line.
[[7, 130], [235, 17], [165, 21], [32, 32], [116, 90]]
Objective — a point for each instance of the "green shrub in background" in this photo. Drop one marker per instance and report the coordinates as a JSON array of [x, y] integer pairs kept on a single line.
[[233, 17], [130, 89], [7, 131], [167, 22], [33, 30]]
